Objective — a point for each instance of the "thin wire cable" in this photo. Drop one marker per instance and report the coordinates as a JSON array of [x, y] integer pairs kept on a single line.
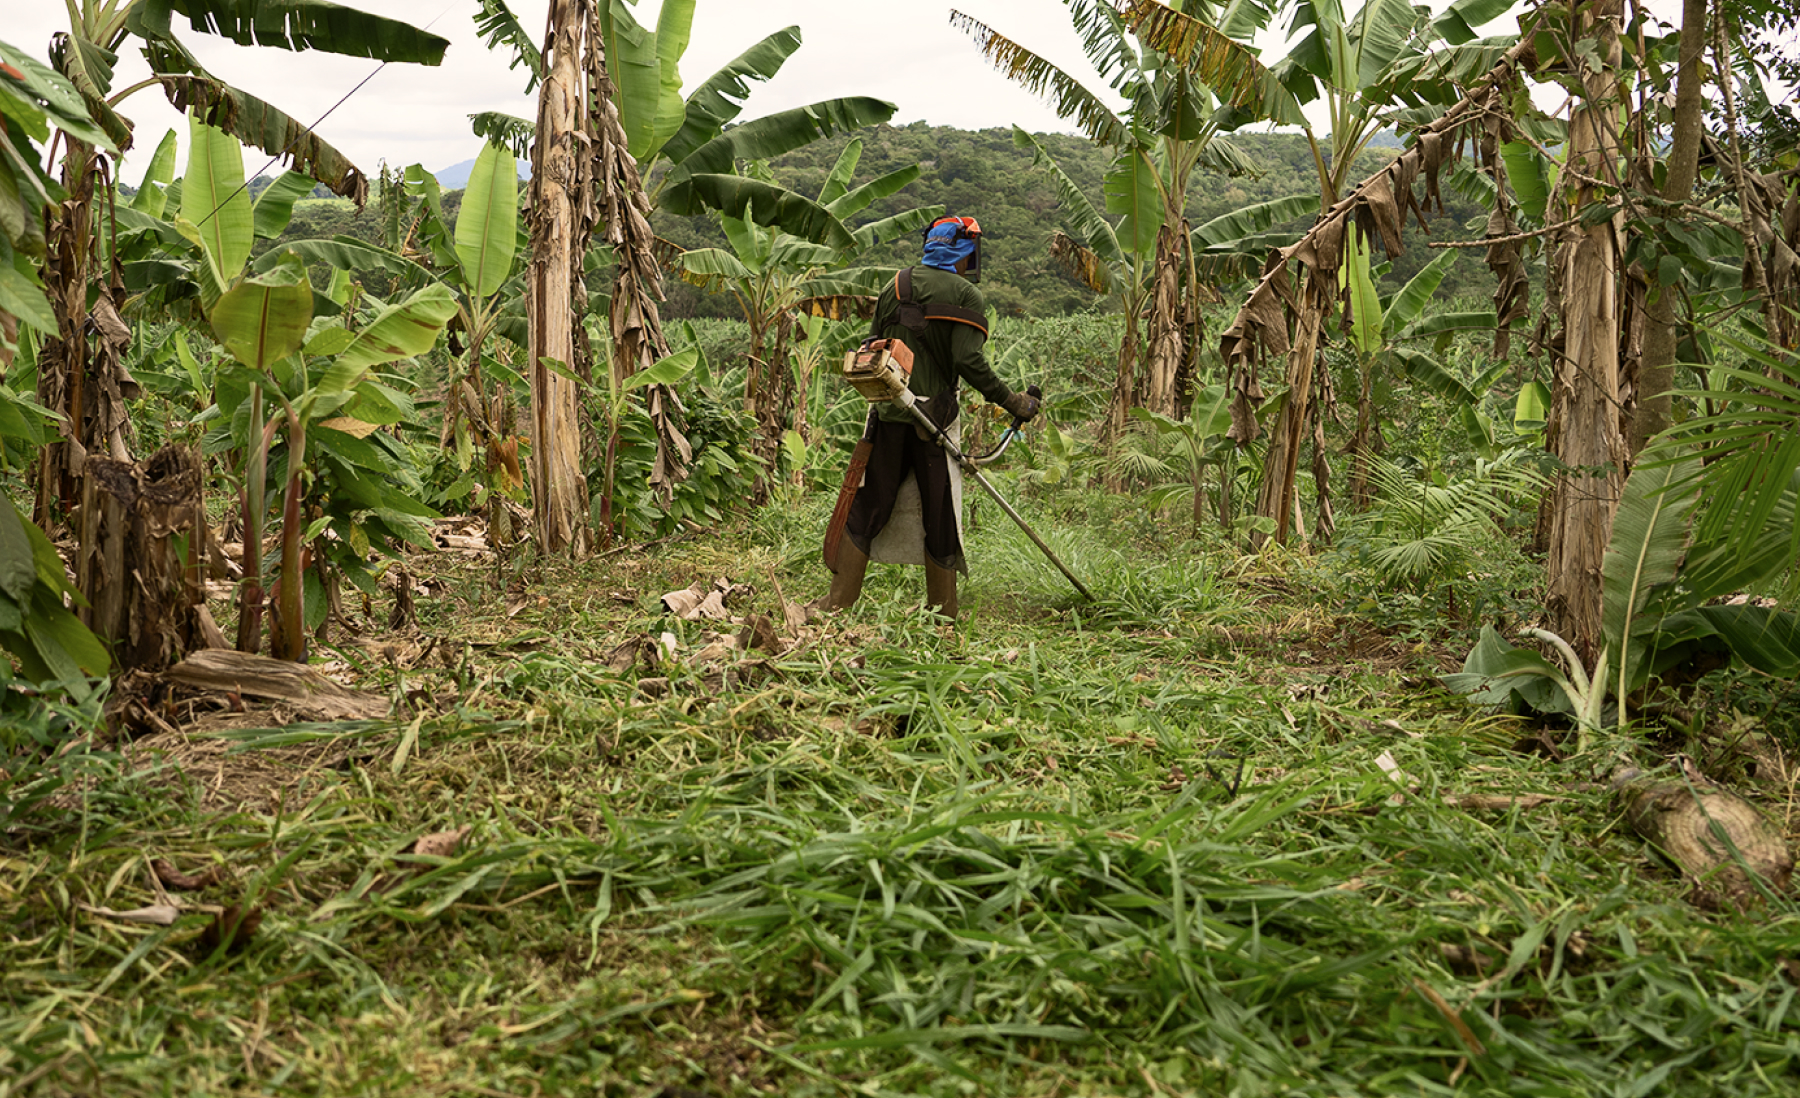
[[308, 130]]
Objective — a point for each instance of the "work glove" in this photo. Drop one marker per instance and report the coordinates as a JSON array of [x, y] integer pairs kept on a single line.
[[1022, 406]]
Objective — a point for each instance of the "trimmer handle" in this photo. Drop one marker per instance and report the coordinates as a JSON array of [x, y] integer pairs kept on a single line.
[[1034, 393]]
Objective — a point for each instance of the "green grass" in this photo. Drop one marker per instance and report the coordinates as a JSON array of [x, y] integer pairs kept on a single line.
[[1001, 858]]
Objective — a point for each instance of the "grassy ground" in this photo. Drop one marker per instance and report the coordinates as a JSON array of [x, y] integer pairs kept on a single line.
[[1143, 846]]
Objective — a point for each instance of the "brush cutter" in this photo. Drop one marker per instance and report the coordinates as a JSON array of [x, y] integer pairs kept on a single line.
[[879, 370]]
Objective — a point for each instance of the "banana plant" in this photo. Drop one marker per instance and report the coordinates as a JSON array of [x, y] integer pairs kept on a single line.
[[1663, 576], [1384, 59], [316, 373], [88, 55], [1381, 330], [37, 629], [775, 275], [1168, 131], [681, 143], [1202, 436], [479, 262]]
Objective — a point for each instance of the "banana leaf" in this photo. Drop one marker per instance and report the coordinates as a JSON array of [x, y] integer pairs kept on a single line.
[[344, 253], [263, 319], [42, 91], [1649, 539], [497, 24], [1497, 673], [214, 201], [773, 206], [300, 25], [636, 73], [1133, 189], [766, 138], [151, 197], [487, 226], [719, 99], [509, 130], [275, 206], [837, 180], [1089, 229], [873, 191], [1412, 298]]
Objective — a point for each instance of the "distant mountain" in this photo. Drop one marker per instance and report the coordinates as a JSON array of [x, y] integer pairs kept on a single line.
[[456, 176]]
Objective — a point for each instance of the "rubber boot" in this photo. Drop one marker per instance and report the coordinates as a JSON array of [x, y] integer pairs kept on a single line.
[[847, 582], [940, 590]]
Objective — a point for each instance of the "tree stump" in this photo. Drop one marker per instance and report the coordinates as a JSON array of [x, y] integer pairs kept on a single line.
[[1718, 839], [142, 565]]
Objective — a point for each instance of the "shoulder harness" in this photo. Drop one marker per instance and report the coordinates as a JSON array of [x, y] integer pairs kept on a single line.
[[914, 317]]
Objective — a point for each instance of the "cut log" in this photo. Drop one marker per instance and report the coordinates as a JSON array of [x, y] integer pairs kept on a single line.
[[1718, 839], [314, 695]]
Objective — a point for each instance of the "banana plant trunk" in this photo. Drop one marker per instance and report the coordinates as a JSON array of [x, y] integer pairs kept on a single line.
[[1585, 428], [1166, 343], [620, 214], [1120, 406], [558, 488], [287, 634], [84, 382], [1275, 498], [771, 405], [1368, 432]]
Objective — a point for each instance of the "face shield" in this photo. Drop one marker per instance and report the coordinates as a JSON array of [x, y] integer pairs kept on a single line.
[[950, 240]]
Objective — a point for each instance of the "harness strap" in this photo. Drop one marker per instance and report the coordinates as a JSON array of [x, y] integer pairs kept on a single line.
[[914, 317]]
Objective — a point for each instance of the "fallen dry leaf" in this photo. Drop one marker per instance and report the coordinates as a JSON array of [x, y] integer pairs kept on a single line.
[[759, 632], [184, 882], [439, 844], [231, 928], [1497, 802], [1391, 768], [158, 914]]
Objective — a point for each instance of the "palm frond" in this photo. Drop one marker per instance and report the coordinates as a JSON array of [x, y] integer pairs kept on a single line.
[[1142, 457], [1418, 529], [1752, 443], [1073, 103], [497, 24]]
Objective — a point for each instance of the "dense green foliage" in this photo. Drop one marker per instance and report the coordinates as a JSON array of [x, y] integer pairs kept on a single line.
[[984, 174]]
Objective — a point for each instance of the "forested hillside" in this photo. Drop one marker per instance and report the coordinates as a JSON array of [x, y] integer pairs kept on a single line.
[[984, 174]]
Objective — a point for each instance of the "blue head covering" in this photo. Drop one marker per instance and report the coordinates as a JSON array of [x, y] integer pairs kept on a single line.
[[943, 250]]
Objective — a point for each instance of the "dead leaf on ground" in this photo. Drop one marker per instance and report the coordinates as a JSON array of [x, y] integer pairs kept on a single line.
[[759, 633], [157, 914], [185, 882], [439, 844], [708, 601], [1391, 768], [1497, 802], [231, 928]]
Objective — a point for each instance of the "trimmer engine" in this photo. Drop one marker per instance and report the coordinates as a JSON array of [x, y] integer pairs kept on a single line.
[[880, 369]]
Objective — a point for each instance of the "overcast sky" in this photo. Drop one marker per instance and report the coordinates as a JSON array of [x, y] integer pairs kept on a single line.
[[908, 54]]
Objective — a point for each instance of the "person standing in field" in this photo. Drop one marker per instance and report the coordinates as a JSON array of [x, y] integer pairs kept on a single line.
[[908, 497]]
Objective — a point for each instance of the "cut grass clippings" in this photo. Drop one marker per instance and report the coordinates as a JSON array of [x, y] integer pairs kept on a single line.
[[1139, 846]]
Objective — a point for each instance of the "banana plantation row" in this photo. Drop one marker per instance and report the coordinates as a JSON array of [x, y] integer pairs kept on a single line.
[[1638, 395]]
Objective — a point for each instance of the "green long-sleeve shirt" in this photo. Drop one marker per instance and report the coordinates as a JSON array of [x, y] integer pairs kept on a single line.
[[948, 349]]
